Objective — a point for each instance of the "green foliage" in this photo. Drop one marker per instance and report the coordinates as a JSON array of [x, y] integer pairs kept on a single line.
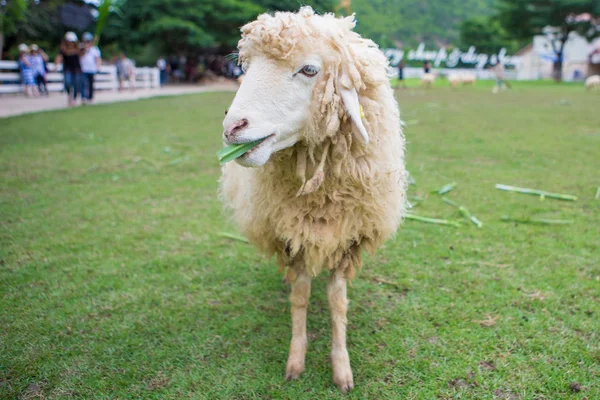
[[524, 18], [409, 22], [487, 35], [115, 281], [11, 13], [103, 12], [191, 25], [40, 25], [320, 6]]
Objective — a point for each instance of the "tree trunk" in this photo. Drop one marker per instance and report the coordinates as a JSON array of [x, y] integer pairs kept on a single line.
[[1, 44], [557, 69]]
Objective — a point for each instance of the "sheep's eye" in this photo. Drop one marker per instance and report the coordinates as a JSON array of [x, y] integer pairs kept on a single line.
[[309, 70]]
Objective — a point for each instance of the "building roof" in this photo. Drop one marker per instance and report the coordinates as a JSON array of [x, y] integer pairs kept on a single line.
[[525, 50]]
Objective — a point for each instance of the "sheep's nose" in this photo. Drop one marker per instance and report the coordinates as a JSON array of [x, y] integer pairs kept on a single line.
[[234, 129]]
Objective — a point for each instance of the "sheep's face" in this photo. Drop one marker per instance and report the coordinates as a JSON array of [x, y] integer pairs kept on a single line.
[[273, 102]]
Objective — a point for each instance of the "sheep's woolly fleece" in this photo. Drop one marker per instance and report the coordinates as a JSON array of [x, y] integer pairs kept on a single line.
[[355, 196], [593, 82]]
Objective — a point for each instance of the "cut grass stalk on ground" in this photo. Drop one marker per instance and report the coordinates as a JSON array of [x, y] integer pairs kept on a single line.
[[430, 220], [233, 236], [537, 221], [542, 193], [446, 188], [464, 212]]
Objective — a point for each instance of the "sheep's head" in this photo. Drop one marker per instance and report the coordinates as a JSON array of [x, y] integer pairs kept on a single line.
[[303, 75]]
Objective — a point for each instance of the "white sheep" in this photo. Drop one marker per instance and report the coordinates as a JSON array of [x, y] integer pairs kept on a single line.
[[593, 82], [427, 79], [468, 78], [464, 77], [328, 181], [455, 79]]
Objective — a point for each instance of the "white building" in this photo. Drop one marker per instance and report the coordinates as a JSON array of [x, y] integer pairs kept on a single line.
[[580, 58]]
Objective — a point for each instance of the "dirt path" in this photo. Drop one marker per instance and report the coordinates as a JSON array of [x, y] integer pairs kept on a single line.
[[19, 104]]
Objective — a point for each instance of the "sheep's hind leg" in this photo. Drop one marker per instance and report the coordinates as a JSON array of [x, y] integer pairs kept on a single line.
[[338, 303], [299, 299]]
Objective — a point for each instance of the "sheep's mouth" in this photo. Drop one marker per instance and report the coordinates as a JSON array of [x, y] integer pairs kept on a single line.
[[260, 145]]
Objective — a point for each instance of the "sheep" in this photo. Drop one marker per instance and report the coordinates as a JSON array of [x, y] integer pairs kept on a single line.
[[454, 79], [466, 78], [427, 79], [329, 179], [593, 82]]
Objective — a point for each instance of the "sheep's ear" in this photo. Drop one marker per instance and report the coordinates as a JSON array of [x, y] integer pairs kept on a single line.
[[352, 106]]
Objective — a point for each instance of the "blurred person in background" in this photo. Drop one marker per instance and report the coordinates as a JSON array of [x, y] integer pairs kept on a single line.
[[69, 59], [163, 68], [91, 61], [501, 82], [401, 73], [426, 67], [190, 70], [27, 74], [175, 68], [38, 61], [126, 72]]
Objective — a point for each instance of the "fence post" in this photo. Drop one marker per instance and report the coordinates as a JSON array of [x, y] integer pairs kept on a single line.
[[147, 78], [112, 73], [155, 77]]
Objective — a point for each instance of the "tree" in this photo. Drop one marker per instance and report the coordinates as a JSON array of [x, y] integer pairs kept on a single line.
[[487, 35], [409, 22], [40, 24], [11, 12], [190, 25], [556, 19]]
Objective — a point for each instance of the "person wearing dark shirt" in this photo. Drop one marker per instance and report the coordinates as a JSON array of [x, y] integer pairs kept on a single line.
[[401, 73], [69, 58], [426, 67]]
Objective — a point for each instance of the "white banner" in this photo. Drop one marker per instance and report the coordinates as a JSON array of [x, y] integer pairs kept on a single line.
[[452, 59]]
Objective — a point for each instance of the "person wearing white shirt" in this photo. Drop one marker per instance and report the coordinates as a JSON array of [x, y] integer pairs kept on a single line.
[[90, 60], [162, 66], [38, 61]]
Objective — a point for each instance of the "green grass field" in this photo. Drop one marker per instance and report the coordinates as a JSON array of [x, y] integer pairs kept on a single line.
[[114, 283]]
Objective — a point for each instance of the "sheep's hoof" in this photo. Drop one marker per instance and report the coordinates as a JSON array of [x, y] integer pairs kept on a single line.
[[345, 384], [342, 373], [293, 370]]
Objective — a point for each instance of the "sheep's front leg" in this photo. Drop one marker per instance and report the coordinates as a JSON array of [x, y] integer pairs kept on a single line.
[[338, 303], [299, 299]]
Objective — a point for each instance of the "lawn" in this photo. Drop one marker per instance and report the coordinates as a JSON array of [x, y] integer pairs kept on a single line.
[[115, 284]]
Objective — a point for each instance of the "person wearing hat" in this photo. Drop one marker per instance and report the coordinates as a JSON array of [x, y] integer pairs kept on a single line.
[[26, 71], [69, 59], [91, 61], [38, 61]]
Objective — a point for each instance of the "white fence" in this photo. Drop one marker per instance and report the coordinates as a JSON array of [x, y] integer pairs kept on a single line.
[[106, 79], [414, 72]]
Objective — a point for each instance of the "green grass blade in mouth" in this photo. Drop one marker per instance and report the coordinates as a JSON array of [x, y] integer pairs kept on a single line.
[[234, 151]]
